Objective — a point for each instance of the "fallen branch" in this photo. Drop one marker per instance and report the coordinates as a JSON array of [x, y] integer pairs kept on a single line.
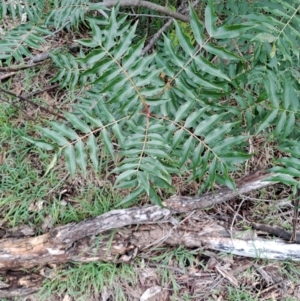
[[81, 242], [55, 246], [124, 245], [26, 99], [252, 182], [146, 4], [277, 231], [164, 28]]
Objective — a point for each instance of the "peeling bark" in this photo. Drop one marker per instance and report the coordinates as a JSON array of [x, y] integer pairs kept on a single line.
[[154, 226]]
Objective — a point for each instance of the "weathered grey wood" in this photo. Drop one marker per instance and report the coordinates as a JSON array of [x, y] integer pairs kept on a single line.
[[81, 242], [252, 182], [124, 245]]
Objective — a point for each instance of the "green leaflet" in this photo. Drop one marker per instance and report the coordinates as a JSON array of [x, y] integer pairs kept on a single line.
[[197, 27], [93, 151], [78, 123], [268, 119], [208, 67], [131, 197], [143, 181], [290, 162], [221, 52], [206, 125], [125, 175], [224, 32], [107, 142], [40, 144], [184, 40], [194, 117], [52, 164], [64, 130], [81, 156], [210, 18], [56, 137], [70, 159], [217, 134]]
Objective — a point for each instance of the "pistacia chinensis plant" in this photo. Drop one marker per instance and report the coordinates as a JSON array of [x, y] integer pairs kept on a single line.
[[188, 108]]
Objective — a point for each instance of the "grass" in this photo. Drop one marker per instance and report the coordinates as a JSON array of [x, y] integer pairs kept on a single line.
[[92, 277], [27, 196]]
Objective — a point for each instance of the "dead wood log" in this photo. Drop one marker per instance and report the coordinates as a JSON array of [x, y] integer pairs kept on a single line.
[[124, 245], [81, 242], [55, 246]]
